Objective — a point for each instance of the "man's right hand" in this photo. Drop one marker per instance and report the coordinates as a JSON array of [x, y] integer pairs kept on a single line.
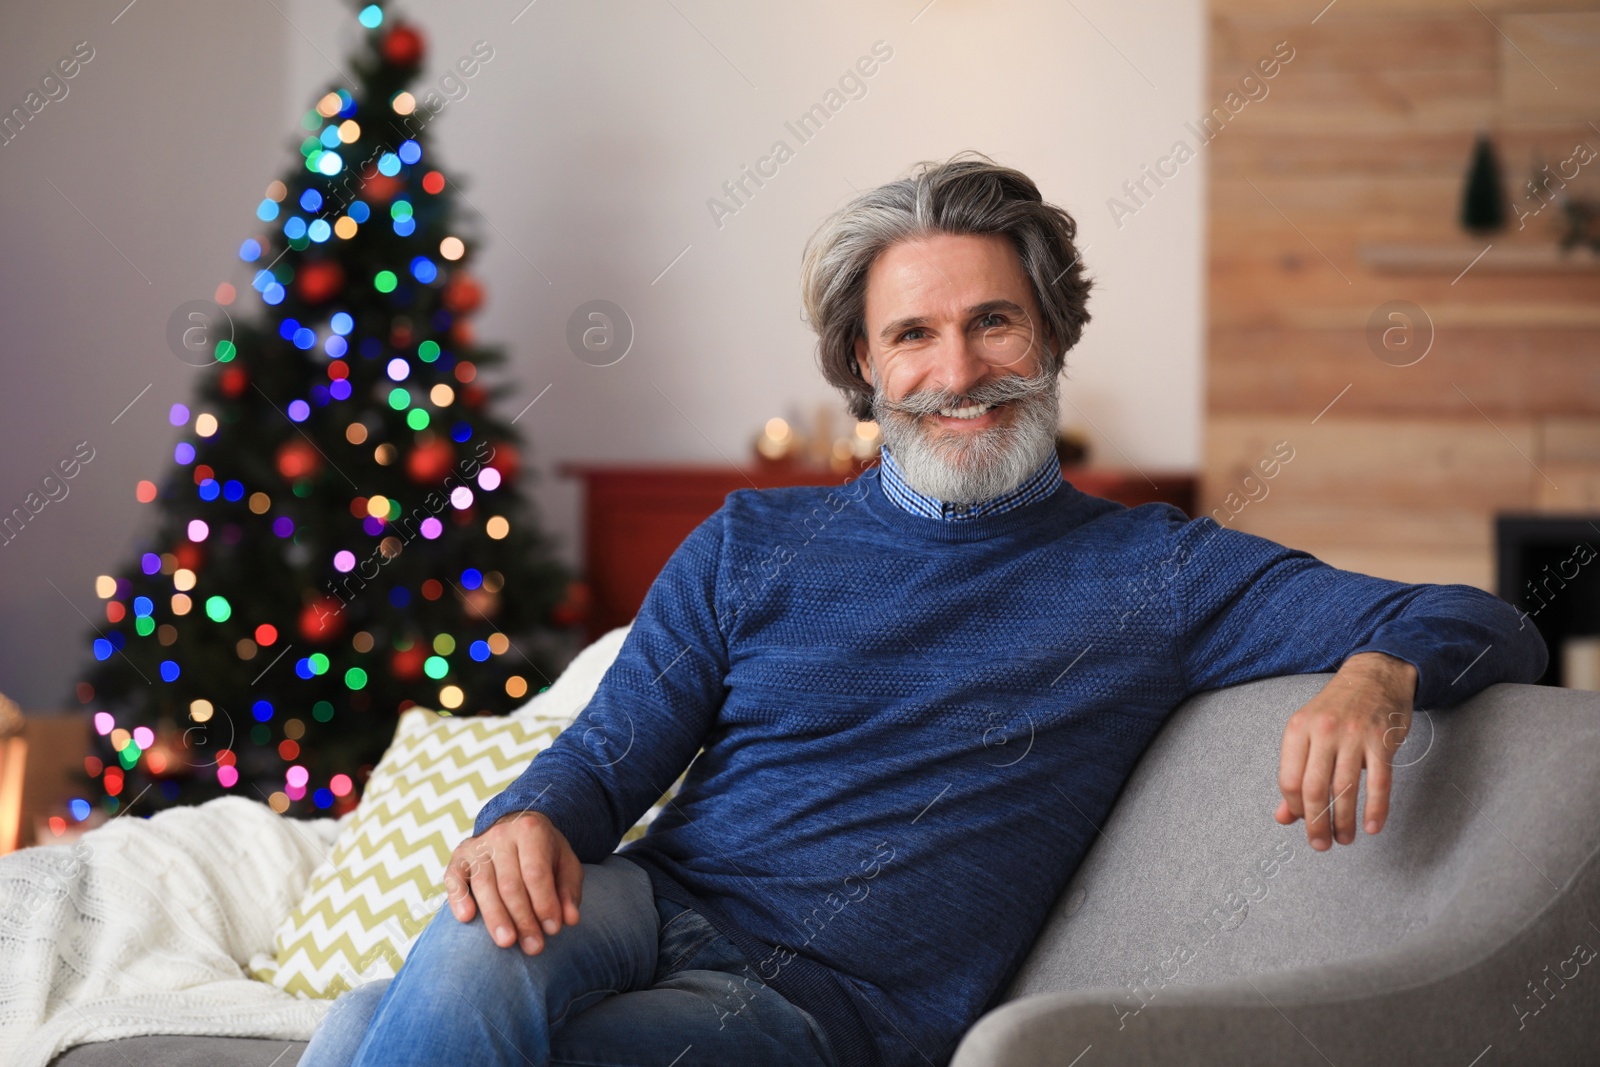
[[522, 874]]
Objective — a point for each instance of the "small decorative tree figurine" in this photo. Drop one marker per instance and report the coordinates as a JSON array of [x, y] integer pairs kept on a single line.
[[1483, 203]]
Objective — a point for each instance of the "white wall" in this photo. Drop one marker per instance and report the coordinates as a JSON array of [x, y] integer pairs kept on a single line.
[[162, 143], [590, 144]]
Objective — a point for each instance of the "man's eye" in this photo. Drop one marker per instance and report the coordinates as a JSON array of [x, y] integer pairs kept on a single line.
[[1000, 320], [905, 335]]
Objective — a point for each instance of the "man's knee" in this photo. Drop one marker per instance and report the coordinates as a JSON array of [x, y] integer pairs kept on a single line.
[[618, 906], [459, 952]]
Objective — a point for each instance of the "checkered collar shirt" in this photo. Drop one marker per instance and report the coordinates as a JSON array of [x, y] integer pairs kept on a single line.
[[1036, 486]]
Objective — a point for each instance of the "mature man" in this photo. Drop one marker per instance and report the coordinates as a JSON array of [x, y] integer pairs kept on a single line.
[[917, 696]]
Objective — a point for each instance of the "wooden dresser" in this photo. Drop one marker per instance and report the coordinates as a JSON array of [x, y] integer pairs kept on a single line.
[[635, 516]]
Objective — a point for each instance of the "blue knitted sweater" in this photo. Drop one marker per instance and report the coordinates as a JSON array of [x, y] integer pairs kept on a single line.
[[888, 705]]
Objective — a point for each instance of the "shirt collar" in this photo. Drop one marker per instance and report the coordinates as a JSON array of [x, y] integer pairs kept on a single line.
[[1046, 479]]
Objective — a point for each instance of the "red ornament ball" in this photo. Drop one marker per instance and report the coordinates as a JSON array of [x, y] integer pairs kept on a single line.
[[407, 665], [462, 294], [403, 46], [379, 188], [234, 382], [298, 459], [322, 619], [319, 282], [430, 462]]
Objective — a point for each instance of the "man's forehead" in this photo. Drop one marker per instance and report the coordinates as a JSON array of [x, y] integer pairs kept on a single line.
[[942, 276]]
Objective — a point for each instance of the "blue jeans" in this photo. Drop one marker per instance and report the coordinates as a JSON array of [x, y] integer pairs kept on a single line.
[[639, 980]]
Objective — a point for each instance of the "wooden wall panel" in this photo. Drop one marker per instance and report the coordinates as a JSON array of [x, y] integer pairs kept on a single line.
[[1392, 151], [1509, 372], [1548, 62], [1421, 464], [1317, 190], [1570, 454], [1297, 10], [1571, 440], [1375, 494]]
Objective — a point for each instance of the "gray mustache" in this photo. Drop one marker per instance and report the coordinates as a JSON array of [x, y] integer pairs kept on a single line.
[[994, 391]]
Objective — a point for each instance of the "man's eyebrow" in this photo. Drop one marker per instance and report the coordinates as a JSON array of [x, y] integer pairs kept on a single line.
[[888, 333]]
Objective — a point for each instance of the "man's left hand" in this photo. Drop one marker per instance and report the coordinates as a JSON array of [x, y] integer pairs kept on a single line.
[[1358, 720]]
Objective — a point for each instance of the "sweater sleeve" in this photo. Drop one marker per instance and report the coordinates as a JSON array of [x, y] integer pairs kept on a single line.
[[648, 718], [1245, 608]]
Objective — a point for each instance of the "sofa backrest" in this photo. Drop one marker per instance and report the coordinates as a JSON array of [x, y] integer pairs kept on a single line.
[[1192, 880]]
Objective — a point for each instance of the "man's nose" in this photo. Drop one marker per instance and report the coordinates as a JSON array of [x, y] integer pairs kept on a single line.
[[956, 365]]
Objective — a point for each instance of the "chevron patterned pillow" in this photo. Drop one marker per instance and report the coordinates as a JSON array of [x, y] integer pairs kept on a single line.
[[384, 880]]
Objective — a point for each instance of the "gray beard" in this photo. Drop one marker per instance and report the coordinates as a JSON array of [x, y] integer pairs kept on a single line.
[[965, 468]]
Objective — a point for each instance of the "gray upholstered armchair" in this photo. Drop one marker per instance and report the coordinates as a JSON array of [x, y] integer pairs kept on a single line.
[[1201, 932]]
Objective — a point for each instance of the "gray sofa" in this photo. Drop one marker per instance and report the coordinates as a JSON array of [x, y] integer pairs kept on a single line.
[[1199, 931]]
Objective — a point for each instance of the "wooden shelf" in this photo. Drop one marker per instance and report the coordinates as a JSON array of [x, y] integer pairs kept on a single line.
[[1502, 258]]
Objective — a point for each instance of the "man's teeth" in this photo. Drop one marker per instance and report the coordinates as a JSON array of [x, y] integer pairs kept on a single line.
[[972, 411]]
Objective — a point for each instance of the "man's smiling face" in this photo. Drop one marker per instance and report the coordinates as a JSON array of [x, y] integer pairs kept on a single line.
[[954, 351]]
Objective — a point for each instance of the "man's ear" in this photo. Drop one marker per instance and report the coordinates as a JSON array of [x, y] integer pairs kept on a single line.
[[863, 360]]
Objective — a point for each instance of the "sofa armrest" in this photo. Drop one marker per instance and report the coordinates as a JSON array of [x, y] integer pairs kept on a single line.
[[1527, 986]]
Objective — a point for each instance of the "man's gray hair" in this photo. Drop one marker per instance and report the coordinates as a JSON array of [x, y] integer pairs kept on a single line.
[[967, 194]]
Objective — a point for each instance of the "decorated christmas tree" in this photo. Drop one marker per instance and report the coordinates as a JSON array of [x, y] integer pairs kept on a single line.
[[339, 534]]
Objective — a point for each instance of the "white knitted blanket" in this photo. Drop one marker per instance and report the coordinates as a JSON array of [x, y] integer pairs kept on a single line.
[[148, 926], [144, 926]]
